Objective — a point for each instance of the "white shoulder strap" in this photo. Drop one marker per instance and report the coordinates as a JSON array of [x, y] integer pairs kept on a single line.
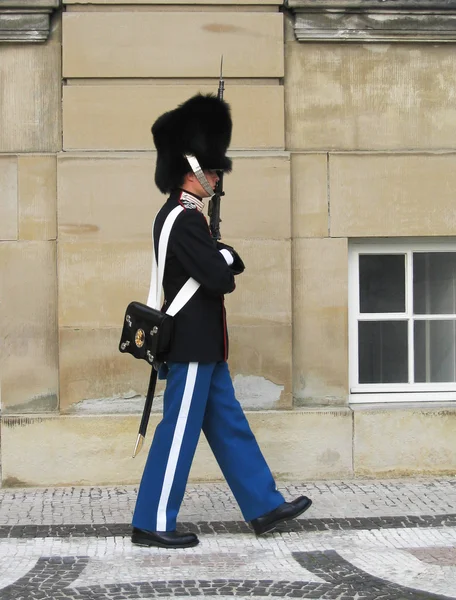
[[156, 280], [183, 296]]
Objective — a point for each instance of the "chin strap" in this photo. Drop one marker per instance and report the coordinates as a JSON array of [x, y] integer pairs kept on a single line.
[[195, 166]]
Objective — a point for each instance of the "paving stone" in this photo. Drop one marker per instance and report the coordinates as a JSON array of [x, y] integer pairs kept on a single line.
[[362, 540]]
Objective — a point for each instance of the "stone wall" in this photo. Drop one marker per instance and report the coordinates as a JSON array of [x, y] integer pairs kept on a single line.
[[332, 141], [371, 131], [123, 66], [29, 140]]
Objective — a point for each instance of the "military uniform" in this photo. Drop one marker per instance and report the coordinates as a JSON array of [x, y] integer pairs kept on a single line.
[[199, 393]]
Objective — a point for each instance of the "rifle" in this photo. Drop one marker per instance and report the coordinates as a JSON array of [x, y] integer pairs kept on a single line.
[[214, 202]]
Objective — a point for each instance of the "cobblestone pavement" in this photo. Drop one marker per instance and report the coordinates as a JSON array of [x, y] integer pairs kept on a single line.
[[389, 540]]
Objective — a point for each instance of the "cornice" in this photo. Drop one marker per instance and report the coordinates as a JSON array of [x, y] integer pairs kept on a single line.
[[26, 20], [374, 20]]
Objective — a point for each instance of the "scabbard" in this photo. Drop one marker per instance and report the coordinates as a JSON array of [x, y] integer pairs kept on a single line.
[[146, 412]]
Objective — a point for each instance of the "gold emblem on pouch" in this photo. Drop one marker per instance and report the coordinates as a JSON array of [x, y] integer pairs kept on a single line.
[[140, 338]]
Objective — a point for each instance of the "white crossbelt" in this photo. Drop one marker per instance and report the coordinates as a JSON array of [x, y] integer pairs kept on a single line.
[[156, 279]]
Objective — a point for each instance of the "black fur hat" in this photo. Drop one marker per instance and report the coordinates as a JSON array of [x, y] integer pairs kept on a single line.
[[200, 126]]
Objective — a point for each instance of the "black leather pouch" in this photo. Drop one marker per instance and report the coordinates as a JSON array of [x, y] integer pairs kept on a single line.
[[146, 333]]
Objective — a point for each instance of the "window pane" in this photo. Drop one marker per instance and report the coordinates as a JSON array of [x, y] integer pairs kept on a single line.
[[434, 283], [383, 355], [435, 351], [382, 283]]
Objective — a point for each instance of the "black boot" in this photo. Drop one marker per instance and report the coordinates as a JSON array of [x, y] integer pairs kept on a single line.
[[163, 539], [284, 512]]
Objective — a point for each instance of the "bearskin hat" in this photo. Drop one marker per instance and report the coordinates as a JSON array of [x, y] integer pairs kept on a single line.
[[200, 126]]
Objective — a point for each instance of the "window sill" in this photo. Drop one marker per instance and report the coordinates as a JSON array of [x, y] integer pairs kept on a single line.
[[402, 397]]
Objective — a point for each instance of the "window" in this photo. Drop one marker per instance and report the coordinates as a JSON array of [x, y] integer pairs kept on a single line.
[[402, 322]]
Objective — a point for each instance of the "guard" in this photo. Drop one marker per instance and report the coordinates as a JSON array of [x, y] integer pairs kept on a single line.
[[191, 143]]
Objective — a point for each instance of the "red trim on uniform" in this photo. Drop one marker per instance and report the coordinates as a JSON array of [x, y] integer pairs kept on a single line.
[[180, 196], [225, 348]]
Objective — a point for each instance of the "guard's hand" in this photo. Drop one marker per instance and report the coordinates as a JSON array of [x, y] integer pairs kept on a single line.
[[237, 265]]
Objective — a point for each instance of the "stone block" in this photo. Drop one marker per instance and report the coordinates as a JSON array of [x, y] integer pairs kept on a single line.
[[107, 197], [93, 370], [250, 3], [257, 201], [30, 116], [130, 44], [97, 280], [377, 23], [28, 321], [89, 112], [96, 378], [369, 97], [320, 329], [73, 450], [260, 363], [24, 26], [114, 198], [298, 446], [402, 440], [31, 4], [309, 195], [8, 204], [263, 291], [392, 195], [37, 192], [312, 444]]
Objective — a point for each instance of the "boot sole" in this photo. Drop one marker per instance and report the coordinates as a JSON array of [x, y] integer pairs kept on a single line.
[[146, 543], [279, 521]]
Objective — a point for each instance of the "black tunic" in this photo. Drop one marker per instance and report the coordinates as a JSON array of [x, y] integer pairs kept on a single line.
[[200, 332]]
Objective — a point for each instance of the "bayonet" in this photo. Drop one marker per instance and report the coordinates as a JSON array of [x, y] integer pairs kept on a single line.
[[214, 202]]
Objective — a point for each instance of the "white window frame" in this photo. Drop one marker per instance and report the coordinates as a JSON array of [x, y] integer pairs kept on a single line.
[[392, 392]]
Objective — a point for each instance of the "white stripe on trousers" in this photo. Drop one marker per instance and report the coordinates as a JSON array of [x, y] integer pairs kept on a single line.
[[176, 445]]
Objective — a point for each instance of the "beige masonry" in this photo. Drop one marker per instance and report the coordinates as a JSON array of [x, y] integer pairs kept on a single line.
[[99, 279], [114, 197], [104, 262], [178, 4], [331, 141], [8, 205], [320, 336], [309, 195], [31, 97], [37, 195], [28, 322], [419, 440], [78, 450], [136, 44], [119, 117], [392, 195], [260, 354], [370, 96], [28, 197], [92, 369]]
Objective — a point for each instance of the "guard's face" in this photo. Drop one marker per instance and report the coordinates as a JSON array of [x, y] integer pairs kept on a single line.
[[212, 177], [192, 185]]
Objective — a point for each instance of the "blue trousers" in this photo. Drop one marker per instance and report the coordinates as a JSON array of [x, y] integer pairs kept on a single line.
[[201, 396]]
